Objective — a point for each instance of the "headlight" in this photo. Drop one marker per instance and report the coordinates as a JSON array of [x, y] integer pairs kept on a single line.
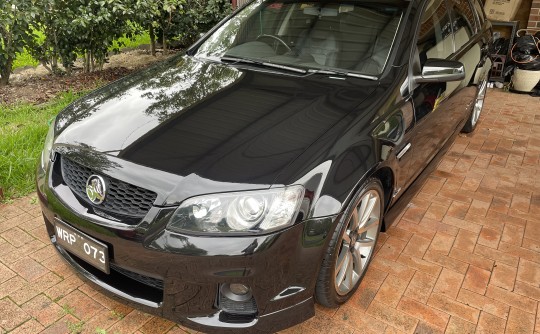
[[46, 153], [251, 211]]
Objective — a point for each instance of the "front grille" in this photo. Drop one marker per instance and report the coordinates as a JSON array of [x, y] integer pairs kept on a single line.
[[122, 198], [128, 285], [150, 281]]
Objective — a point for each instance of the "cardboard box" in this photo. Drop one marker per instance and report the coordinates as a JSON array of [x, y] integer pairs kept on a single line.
[[501, 10]]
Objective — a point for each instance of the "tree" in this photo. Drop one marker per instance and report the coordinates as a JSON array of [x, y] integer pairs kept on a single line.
[[15, 32], [179, 22], [84, 28]]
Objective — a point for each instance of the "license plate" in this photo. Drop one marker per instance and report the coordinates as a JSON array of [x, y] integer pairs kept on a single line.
[[83, 246]]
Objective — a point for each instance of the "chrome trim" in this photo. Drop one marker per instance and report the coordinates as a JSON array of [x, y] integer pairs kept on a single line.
[[403, 151]]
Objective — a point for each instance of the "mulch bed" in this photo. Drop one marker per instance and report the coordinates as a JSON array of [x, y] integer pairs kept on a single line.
[[39, 89]]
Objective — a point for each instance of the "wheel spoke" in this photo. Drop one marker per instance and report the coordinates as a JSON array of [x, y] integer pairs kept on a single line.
[[364, 203], [371, 223], [358, 257], [349, 276], [368, 210], [354, 220], [365, 242], [342, 257], [342, 271]]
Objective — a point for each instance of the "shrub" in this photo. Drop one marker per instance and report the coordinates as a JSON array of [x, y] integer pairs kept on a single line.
[[80, 27], [15, 32]]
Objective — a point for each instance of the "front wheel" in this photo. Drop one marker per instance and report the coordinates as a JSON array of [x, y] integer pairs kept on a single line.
[[477, 108], [351, 247]]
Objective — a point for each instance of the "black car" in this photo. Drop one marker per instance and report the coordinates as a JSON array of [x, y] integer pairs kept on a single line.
[[233, 186]]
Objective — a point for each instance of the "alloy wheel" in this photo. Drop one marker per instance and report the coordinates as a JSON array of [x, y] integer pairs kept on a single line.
[[479, 103], [358, 242]]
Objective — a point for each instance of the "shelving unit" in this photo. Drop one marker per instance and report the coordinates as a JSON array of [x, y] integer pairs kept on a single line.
[[499, 60]]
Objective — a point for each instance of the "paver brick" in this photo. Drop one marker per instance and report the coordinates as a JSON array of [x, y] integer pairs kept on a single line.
[[523, 303], [463, 257], [486, 304], [472, 259], [31, 326], [103, 320], [420, 286], [80, 305], [520, 322], [503, 276], [5, 273], [531, 244], [453, 307], [442, 243], [357, 318], [43, 309], [496, 255], [456, 325], [392, 248], [529, 272], [446, 261], [29, 269], [417, 246], [391, 290], [513, 234], [527, 290], [489, 237], [476, 280], [393, 317], [520, 252], [423, 312], [458, 209], [448, 283], [438, 226], [419, 264], [12, 315], [490, 324], [465, 241]]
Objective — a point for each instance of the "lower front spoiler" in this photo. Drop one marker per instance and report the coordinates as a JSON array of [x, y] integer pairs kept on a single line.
[[212, 323]]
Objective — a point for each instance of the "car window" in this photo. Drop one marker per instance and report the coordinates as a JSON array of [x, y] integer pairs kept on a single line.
[[463, 22], [352, 36], [435, 32]]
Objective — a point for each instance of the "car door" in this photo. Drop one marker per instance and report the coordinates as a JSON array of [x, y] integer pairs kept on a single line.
[[469, 46], [434, 40]]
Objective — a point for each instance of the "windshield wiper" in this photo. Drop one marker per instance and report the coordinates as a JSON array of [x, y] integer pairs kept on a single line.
[[237, 60], [344, 73]]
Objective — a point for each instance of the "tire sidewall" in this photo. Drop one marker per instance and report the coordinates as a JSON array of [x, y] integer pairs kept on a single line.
[[333, 298]]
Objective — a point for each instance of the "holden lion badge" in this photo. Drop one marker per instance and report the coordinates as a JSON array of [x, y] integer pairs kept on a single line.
[[96, 189]]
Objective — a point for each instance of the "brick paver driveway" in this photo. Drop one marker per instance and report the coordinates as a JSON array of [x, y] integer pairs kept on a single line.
[[464, 257]]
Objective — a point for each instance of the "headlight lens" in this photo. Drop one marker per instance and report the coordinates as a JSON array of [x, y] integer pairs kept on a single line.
[[46, 153], [252, 211]]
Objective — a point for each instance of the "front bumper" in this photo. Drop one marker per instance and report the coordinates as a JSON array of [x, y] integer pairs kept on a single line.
[[178, 276]]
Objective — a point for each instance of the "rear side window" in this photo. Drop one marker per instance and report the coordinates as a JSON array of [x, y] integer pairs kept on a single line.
[[463, 22], [435, 33]]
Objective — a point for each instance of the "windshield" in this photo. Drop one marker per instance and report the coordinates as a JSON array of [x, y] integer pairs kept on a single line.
[[345, 36]]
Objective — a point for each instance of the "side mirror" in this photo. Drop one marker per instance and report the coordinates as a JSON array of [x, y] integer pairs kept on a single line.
[[441, 70]]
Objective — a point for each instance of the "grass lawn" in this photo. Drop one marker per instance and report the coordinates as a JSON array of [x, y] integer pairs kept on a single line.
[[22, 130]]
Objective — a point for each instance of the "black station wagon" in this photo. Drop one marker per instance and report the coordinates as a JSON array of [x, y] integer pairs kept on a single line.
[[233, 186]]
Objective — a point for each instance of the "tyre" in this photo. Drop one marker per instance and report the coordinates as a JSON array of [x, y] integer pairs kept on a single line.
[[352, 246], [477, 108]]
